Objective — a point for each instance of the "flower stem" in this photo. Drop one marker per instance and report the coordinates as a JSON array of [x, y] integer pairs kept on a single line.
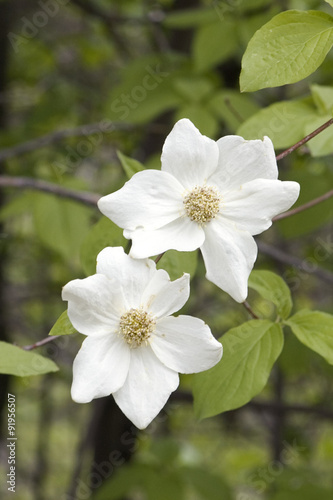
[[307, 205], [250, 310], [305, 139]]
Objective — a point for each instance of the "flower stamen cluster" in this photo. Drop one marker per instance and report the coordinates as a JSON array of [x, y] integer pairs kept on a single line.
[[202, 204], [136, 326]]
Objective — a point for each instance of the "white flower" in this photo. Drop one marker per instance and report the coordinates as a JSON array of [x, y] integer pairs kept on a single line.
[[208, 195], [134, 349]]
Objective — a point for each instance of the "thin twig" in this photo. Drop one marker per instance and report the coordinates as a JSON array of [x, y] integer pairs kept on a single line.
[[304, 140], [104, 126], [158, 258], [249, 309], [48, 187], [233, 110], [307, 205], [290, 260], [261, 405], [40, 343]]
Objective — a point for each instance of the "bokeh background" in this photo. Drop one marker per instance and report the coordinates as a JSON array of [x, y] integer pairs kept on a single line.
[[85, 84]]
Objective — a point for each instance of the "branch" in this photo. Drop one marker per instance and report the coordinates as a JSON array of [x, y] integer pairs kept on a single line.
[[304, 140], [271, 406], [307, 205], [250, 310], [59, 135], [290, 260], [48, 187], [158, 258], [40, 343]]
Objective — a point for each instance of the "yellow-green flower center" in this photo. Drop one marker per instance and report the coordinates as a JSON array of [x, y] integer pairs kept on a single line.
[[202, 204], [136, 326]]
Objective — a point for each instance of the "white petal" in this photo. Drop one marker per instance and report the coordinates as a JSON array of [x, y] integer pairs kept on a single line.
[[254, 205], [163, 297], [100, 368], [126, 274], [91, 304], [182, 234], [241, 161], [150, 199], [188, 155], [229, 255], [147, 388], [185, 344]]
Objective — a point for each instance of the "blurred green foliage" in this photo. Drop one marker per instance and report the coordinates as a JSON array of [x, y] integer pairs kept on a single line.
[[145, 65]]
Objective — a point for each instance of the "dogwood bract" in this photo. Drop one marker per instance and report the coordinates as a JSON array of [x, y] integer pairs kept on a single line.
[[134, 349], [208, 195]]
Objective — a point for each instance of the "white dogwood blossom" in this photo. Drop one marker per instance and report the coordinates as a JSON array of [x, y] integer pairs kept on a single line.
[[209, 195], [134, 349]]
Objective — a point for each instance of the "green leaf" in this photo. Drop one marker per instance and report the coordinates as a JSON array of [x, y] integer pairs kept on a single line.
[[283, 122], [330, 2], [315, 330], [322, 144], [61, 224], [193, 89], [323, 98], [287, 49], [17, 361], [62, 326], [250, 351], [145, 90], [213, 44], [271, 287], [189, 18], [178, 263], [103, 234], [202, 118], [232, 107], [314, 183], [130, 165], [209, 486]]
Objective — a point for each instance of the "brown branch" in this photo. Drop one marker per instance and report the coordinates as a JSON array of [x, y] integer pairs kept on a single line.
[[271, 406], [103, 126], [40, 343], [250, 310], [48, 187], [290, 260], [158, 258], [304, 140], [307, 205]]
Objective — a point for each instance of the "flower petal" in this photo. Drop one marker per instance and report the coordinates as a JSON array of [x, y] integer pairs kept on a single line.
[[241, 161], [91, 304], [185, 344], [163, 297], [253, 206], [150, 199], [129, 276], [100, 368], [182, 234], [229, 255], [189, 156], [147, 388]]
